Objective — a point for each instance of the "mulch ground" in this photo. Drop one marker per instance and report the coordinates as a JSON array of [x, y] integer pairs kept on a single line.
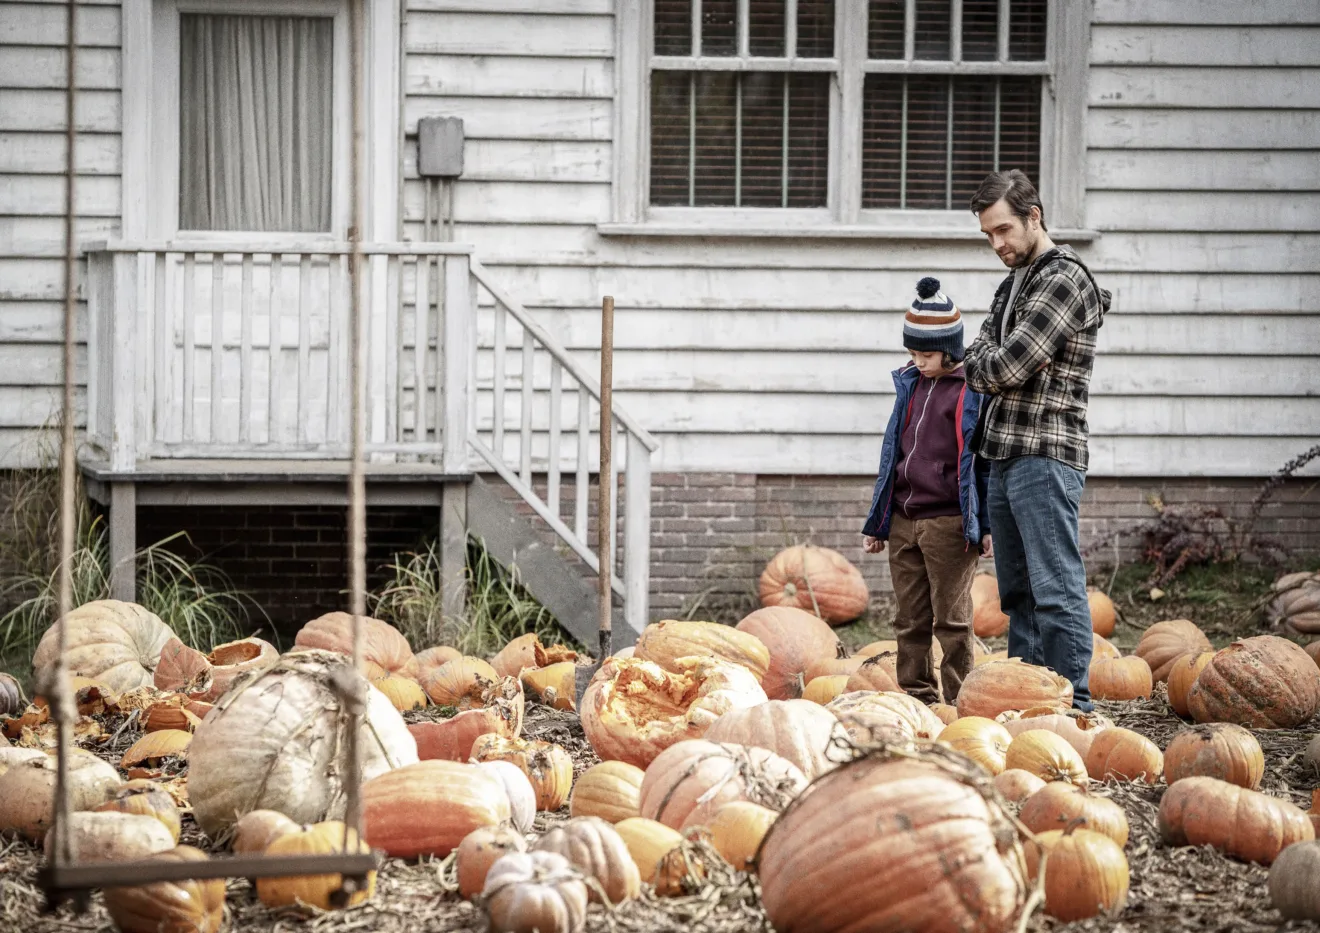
[[1186, 889]]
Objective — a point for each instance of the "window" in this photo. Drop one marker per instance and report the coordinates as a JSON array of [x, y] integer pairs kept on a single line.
[[255, 115], [844, 112]]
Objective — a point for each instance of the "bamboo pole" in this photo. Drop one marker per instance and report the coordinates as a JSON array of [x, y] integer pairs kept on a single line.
[[604, 507]]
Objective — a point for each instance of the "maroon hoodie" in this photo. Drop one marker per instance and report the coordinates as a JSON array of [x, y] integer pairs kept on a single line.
[[926, 484]]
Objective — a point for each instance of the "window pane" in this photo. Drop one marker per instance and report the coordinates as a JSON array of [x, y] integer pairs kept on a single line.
[[934, 20], [765, 31], [808, 139], [719, 27], [763, 140], [980, 30], [1026, 33], [714, 145], [256, 109], [884, 28], [927, 136], [670, 138], [673, 27], [973, 135], [815, 22], [882, 129], [1019, 125]]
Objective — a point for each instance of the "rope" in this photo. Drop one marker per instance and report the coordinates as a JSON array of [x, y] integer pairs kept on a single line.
[[56, 688]]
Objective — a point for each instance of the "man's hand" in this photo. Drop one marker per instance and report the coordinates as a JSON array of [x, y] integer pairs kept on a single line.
[[987, 546], [872, 545]]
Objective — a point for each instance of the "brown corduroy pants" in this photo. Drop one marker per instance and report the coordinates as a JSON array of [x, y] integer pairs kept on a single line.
[[931, 566]]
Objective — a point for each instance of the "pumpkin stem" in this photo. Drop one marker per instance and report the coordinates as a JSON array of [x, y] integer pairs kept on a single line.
[[1073, 824]]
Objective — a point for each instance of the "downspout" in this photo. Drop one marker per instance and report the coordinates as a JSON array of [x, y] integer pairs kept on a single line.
[[400, 220]]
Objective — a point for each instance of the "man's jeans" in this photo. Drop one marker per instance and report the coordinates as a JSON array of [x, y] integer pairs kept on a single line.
[[1038, 561]]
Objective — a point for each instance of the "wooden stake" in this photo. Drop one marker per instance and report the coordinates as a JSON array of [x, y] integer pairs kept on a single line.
[[605, 511]]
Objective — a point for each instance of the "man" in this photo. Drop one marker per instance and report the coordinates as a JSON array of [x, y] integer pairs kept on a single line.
[[1033, 359]]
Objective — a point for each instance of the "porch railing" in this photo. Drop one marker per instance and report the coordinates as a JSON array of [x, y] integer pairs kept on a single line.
[[240, 350]]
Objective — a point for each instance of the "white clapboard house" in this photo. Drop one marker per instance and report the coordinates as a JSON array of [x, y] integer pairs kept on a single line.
[[757, 183]]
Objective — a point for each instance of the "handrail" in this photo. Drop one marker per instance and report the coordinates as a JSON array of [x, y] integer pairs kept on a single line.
[[559, 352], [261, 247]]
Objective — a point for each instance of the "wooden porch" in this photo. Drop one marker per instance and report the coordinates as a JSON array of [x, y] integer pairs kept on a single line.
[[219, 373]]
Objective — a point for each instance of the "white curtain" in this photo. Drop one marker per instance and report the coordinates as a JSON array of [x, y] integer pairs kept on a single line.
[[255, 113]]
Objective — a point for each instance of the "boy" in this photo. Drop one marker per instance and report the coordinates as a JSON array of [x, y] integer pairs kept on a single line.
[[930, 499]]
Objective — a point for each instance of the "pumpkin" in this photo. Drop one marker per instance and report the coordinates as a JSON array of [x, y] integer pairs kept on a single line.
[[182, 669], [519, 654], [404, 694], [821, 690], [797, 730], [13, 757], [982, 740], [1017, 785], [547, 765], [1086, 873], [501, 713], [428, 807], [634, 709], [905, 826], [1182, 674], [1313, 649], [233, 659], [12, 700], [945, 712], [883, 646], [1001, 655], [1046, 755], [1294, 882], [154, 747], [1296, 605], [113, 837], [90, 697], [815, 579], [1102, 648], [194, 905], [666, 642], [314, 890], [429, 660], [1078, 728], [736, 831], [172, 711], [555, 685], [1120, 679], [535, 892], [27, 791], [479, 850], [611, 790], [594, 848], [461, 683], [518, 788], [1245, 824], [874, 674], [1265, 682], [988, 618], [29, 717], [795, 640], [382, 644], [146, 798], [833, 667], [1165, 642], [114, 642], [274, 743], [1217, 750], [700, 772], [657, 851], [257, 829], [996, 686], [1126, 755], [870, 717], [1102, 612], [1057, 805], [1314, 812]]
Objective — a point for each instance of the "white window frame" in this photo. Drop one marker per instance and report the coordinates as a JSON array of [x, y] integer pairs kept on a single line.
[[151, 131], [1062, 180]]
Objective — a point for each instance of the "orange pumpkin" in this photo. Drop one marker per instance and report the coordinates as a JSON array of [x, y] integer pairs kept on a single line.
[[874, 675], [697, 772], [1086, 873], [822, 690], [501, 713], [596, 849], [182, 669], [796, 730], [313, 890], [1102, 648], [1313, 649], [1217, 750], [1182, 674], [1057, 805], [736, 831], [1120, 679], [1102, 612], [796, 640], [461, 683], [479, 850], [833, 667], [988, 619], [429, 660], [382, 643], [868, 717], [186, 906], [257, 829], [1243, 823], [815, 579], [554, 685], [427, 808], [982, 740], [547, 765], [611, 790], [403, 693], [519, 654], [1046, 755], [996, 686], [1165, 642], [670, 640], [145, 798], [1265, 682], [1124, 754], [1078, 728], [656, 850], [946, 712], [1017, 785], [235, 658]]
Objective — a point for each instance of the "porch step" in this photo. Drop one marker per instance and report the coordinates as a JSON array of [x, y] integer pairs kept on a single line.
[[563, 584]]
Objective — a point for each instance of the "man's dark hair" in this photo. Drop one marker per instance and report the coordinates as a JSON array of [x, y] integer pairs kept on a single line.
[[1014, 187]]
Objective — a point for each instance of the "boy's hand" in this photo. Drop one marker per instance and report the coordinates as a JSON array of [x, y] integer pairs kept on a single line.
[[987, 546], [872, 545]]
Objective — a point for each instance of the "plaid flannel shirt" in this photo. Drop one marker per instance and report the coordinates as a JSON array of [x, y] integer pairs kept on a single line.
[[1037, 380]]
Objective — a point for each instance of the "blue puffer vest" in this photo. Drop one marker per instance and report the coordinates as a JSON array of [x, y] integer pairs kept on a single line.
[[973, 472]]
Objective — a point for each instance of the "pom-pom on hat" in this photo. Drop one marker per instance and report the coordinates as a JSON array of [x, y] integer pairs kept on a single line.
[[933, 323]]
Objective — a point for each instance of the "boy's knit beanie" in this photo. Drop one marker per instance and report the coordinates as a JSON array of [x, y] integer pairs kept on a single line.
[[933, 323]]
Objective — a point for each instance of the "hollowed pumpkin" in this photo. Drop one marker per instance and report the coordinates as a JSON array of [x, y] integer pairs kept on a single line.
[[554, 685], [665, 643], [500, 713]]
